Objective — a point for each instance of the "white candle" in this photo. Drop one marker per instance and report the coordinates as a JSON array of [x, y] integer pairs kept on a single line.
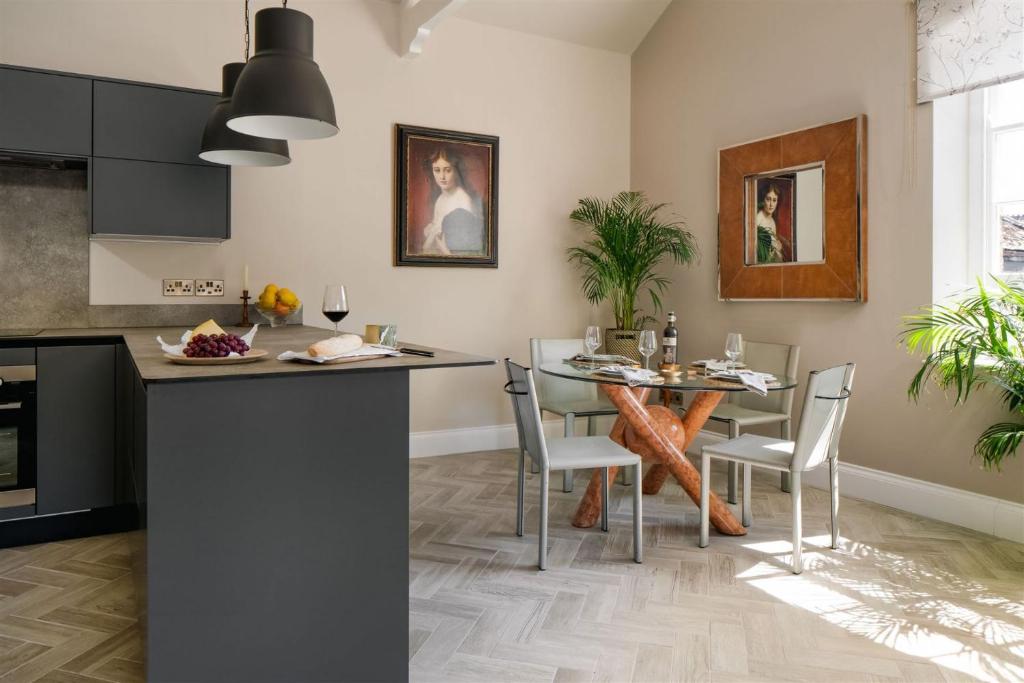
[[245, 277]]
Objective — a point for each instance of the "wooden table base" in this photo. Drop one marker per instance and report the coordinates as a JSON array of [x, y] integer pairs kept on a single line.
[[656, 433]]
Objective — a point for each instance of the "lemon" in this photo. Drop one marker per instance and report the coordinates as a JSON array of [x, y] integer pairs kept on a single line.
[[267, 301], [288, 298], [271, 290]]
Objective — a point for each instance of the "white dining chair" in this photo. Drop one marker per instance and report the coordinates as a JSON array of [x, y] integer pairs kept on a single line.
[[817, 441], [566, 398], [746, 409], [581, 452]]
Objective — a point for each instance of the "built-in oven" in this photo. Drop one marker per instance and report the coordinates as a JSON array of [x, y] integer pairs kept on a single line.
[[17, 441]]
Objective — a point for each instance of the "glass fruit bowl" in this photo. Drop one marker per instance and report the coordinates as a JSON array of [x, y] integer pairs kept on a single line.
[[280, 315]]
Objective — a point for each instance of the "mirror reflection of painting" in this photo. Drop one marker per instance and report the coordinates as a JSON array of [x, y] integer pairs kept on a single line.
[[773, 221], [784, 217]]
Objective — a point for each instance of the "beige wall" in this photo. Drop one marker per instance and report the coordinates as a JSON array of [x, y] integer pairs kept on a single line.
[[712, 74], [562, 112]]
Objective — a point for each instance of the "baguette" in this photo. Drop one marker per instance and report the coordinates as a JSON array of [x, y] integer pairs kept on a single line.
[[335, 346]]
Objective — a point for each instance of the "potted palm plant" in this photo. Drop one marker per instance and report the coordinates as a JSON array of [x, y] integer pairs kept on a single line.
[[976, 342], [627, 242]]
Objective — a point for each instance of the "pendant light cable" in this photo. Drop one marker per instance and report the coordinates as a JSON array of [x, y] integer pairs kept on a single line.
[[245, 55]]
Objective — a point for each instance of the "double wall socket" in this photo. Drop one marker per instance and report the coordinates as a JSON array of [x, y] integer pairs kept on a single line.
[[179, 287], [209, 288]]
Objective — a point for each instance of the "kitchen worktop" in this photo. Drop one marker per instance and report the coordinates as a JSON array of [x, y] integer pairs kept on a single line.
[[153, 367]]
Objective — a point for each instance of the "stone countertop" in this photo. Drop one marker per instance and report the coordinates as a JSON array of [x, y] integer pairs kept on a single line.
[[153, 367]]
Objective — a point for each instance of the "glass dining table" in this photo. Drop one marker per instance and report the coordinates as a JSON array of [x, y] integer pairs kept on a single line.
[[657, 434]]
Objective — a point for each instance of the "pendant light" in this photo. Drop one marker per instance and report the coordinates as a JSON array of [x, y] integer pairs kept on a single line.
[[221, 145], [281, 93]]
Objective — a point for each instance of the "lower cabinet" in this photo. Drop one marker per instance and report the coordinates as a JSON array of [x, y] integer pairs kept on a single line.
[[77, 427]]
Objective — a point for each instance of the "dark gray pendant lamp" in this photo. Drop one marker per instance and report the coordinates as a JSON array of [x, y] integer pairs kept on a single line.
[[221, 145], [281, 92]]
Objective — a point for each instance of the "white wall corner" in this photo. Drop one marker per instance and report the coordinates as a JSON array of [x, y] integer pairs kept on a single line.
[[1002, 518], [416, 20]]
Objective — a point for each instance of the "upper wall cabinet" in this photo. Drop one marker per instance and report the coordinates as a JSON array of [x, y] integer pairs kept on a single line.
[[147, 200], [149, 123], [46, 113]]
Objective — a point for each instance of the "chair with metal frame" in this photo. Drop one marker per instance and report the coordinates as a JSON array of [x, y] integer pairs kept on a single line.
[[817, 441], [747, 409], [566, 398], [578, 453]]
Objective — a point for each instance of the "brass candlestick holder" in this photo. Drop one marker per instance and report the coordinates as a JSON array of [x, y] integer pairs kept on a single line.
[[245, 309]]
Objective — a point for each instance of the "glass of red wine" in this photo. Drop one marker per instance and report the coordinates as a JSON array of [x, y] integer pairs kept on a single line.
[[335, 305]]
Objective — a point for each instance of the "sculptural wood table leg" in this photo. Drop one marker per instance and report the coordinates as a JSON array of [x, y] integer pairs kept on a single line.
[[656, 433]]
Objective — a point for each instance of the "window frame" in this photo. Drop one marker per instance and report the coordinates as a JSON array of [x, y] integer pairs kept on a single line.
[[984, 255]]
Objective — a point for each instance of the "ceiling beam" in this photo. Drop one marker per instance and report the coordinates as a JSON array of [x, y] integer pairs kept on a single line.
[[417, 18]]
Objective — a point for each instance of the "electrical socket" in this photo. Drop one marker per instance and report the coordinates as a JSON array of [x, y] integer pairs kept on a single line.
[[209, 288], [179, 287]]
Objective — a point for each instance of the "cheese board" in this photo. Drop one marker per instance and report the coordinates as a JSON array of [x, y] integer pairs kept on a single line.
[[250, 356]]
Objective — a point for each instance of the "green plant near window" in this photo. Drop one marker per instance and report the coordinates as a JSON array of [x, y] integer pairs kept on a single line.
[[627, 243], [975, 342]]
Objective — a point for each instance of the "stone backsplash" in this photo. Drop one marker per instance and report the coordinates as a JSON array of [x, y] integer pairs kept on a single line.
[[44, 260]]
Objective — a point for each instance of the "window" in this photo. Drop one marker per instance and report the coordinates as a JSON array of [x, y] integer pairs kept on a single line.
[[978, 187], [1004, 191]]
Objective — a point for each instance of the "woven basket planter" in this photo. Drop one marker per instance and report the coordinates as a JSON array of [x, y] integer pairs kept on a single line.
[[624, 343]]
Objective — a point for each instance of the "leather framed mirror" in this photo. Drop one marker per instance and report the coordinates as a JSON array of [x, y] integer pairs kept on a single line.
[[792, 216]]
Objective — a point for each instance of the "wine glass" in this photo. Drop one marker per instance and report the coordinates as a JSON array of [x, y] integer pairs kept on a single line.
[[592, 341], [733, 348], [335, 304], [647, 346]]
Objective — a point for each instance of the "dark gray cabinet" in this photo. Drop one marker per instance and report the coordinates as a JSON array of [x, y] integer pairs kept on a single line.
[[149, 123], [147, 199], [45, 113], [76, 443], [146, 179]]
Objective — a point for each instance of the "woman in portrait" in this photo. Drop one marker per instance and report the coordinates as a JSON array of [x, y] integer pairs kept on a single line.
[[769, 246], [457, 224]]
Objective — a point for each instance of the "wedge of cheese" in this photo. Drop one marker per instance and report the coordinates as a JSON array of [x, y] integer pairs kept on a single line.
[[208, 328]]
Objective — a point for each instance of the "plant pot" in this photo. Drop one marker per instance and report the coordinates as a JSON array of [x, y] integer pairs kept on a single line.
[[624, 343]]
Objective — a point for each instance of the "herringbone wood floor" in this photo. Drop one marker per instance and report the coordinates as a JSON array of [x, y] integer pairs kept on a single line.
[[68, 611], [905, 598]]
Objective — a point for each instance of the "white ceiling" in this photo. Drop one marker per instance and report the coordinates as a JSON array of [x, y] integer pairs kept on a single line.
[[618, 25]]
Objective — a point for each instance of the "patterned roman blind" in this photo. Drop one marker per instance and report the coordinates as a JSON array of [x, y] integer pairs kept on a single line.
[[967, 44]]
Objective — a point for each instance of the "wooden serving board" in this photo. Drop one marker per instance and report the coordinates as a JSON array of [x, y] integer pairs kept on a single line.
[[339, 361], [250, 356]]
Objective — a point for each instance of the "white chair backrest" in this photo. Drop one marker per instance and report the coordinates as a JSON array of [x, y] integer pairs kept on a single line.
[[821, 421], [778, 359], [557, 389], [521, 388]]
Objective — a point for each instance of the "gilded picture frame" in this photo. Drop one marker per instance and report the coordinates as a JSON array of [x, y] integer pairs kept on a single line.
[[446, 198]]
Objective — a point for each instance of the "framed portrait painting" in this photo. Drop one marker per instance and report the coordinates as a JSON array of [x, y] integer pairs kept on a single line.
[[446, 198]]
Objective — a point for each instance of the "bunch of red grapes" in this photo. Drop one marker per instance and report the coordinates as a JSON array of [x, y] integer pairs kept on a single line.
[[215, 346]]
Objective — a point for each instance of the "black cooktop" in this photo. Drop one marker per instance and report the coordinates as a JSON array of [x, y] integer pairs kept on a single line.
[[19, 333]]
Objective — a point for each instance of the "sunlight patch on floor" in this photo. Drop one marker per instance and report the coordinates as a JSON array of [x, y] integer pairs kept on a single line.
[[891, 610]]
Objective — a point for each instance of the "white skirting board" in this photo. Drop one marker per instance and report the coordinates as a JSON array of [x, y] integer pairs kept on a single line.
[[995, 516]]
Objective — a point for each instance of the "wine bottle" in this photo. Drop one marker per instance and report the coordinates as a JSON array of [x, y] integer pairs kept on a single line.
[[668, 341]]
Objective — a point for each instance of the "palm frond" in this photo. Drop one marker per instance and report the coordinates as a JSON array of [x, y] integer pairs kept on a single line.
[[974, 343]]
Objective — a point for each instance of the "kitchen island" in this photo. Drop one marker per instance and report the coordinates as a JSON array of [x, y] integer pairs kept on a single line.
[[277, 514], [276, 500]]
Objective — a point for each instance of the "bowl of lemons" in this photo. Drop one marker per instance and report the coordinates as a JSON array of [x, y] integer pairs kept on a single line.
[[278, 305]]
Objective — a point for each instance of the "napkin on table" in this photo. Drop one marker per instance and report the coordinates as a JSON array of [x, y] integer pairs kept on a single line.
[[633, 376], [364, 350], [755, 381]]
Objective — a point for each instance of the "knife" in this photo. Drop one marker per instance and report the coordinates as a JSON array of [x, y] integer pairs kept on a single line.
[[417, 352]]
